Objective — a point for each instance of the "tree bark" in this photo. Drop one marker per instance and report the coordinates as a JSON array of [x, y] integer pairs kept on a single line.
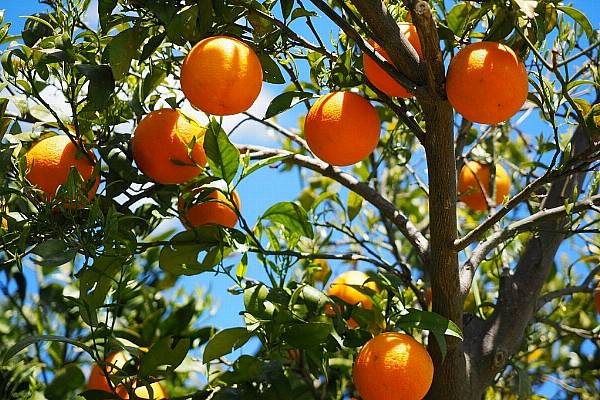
[[492, 342]]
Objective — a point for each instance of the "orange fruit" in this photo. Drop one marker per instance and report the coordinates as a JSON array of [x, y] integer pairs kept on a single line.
[[474, 177], [97, 380], [393, 366], [342, 288], [115, 362], [221, 75], [597, 297], [143, 392], [215, 209], [342, 128], [161, 146], [377, 75], [486, 82], [49, 163]]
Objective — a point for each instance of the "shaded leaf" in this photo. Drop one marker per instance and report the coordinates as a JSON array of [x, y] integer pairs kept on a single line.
[[181, 256], [271, 71], [291, 216], [102, 84], [223, 157], [306, 335], [224, 342], [167, 351], [285, 101]]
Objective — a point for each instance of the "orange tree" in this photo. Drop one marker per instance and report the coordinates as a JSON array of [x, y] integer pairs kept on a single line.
[[497, 287]]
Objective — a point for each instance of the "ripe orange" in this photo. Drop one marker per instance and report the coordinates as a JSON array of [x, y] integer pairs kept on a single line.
[[116, 361], [342, 128], [221, 75], [393, 366], [377, 75], [474, 177], [486, 82], [342, 288], [215, 209], [49, 163], [161, 146], [97, 380], [597, 297]]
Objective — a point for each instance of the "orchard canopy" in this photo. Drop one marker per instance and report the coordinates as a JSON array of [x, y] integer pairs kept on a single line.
[[299, 199]]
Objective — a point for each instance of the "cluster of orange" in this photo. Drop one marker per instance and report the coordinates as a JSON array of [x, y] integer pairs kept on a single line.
[[392, 364], [223, 76], [486, 83]]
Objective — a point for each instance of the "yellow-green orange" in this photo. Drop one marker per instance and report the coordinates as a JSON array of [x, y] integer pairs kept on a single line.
[[342, 288]]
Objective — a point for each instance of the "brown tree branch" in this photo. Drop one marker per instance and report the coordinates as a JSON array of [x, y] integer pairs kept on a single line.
[[574, 165], [493, 341], [405, 73], [407, 228], [524, 225]]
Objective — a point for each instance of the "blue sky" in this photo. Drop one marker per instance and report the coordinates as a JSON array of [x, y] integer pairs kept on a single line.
[[265, 187]]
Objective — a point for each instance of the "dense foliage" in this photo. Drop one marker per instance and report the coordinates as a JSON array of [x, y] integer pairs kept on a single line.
[[78, 284]]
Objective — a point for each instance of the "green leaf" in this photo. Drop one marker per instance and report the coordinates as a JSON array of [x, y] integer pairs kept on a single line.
[[271, 71], [263, 163], [592, 121], [53, 253], [580, 18], [223, 157], [242, 267], [122, 49], [102, 84], [29, 340], [284, 102], [224, 342], [307, 335], [355, 202], [524, 383], [184, 25], [94, 283], [301, 12], [66, 380], [286, 8], [167, 351], [291, 216], [105, 9], [205, 16], [36, 27], [458, 17], [180, 257], [313, 296], [438, 325], [256, 303]]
